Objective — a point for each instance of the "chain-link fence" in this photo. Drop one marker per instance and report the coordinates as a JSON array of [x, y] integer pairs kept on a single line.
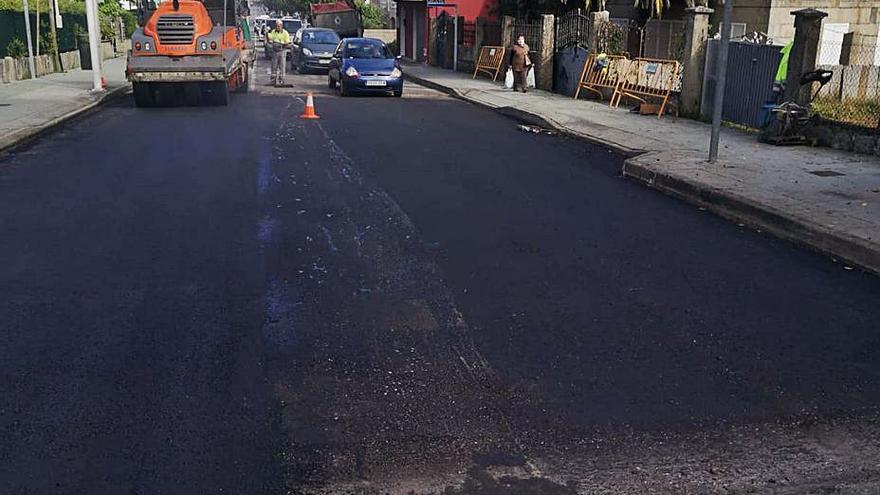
[[853, 94]]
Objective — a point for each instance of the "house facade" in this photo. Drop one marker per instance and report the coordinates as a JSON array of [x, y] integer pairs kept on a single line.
[[389, 8], [772, 17], [413, 21], [412, 29]]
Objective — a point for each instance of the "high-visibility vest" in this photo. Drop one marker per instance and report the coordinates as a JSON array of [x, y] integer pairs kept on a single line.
[[782, 69], [282, 36]]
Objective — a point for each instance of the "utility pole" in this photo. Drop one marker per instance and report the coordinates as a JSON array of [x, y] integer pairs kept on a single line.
[[37, 29], [721, 69], [30, 41], [94, 43], [53, 38]]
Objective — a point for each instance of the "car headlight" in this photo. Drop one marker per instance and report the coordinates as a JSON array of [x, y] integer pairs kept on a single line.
[[396, 73], [307, 52], [351, 72]]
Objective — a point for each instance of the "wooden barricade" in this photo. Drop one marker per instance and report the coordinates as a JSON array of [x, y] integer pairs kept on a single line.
[[490, 60], [648, 78], [597, 76]]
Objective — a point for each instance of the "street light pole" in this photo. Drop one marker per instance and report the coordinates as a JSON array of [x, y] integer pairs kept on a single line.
[[720, 79], [53, 38], [94, 43], [27, 29]]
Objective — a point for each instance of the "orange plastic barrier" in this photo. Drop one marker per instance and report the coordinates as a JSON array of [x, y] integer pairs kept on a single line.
[[598, 75], [648, 78], [490, 61]]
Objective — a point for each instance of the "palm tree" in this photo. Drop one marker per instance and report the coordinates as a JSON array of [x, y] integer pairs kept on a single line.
[[654, 8]]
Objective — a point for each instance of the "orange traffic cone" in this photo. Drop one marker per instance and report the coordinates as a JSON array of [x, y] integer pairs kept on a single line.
[[309, 112]]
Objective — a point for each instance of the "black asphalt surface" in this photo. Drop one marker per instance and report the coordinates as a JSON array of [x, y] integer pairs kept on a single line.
[[409, 295]]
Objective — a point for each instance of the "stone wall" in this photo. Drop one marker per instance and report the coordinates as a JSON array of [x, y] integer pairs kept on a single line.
[[12, 69], [107, 50], [70, 60], [847, 138], [16, 69], [386, 35]]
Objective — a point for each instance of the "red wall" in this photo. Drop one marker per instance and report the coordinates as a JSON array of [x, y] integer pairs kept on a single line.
[[469, 9]]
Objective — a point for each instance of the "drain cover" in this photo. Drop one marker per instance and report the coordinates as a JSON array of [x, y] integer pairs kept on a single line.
[[826, 173]]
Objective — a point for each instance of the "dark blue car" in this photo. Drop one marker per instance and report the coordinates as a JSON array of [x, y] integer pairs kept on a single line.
[[365, 65], [312, 49]]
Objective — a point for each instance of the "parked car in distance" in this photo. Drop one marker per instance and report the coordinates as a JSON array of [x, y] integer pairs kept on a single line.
[[365, 65], [291, 25], [313, 49]]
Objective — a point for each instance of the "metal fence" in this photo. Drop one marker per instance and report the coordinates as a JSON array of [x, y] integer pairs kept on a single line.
[[468, 34], [445, 37], [853, 95], [531, 30], [664, 39], [751, 68], [572, 29]]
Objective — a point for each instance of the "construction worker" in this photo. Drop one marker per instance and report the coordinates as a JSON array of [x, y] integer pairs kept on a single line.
[[279, 40]]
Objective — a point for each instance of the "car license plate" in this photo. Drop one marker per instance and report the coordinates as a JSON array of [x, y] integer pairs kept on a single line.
[[325, 61], [376, 83]]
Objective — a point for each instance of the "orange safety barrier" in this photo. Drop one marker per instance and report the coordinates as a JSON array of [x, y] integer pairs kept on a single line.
[[490, 61], [648, 78], [598, 74]]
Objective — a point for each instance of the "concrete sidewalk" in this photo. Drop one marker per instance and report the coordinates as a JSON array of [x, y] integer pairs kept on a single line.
[[34, 105], [825, 199]]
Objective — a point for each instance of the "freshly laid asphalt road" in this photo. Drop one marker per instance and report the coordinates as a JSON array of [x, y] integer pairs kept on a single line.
[[409, 295]]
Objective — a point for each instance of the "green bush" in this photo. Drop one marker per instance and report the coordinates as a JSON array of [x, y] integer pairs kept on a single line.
[[65, 6], [611, 38], [394, 46], [108, 11], [131, 23], [71, 6], [16, 49], [48, 42], [372, 17]]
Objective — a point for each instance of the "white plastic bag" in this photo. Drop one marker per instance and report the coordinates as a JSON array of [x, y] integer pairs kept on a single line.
[[530, 79], [508, 79]]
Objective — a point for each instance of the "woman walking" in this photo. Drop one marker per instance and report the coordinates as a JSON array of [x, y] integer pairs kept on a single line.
[[520, 63]]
